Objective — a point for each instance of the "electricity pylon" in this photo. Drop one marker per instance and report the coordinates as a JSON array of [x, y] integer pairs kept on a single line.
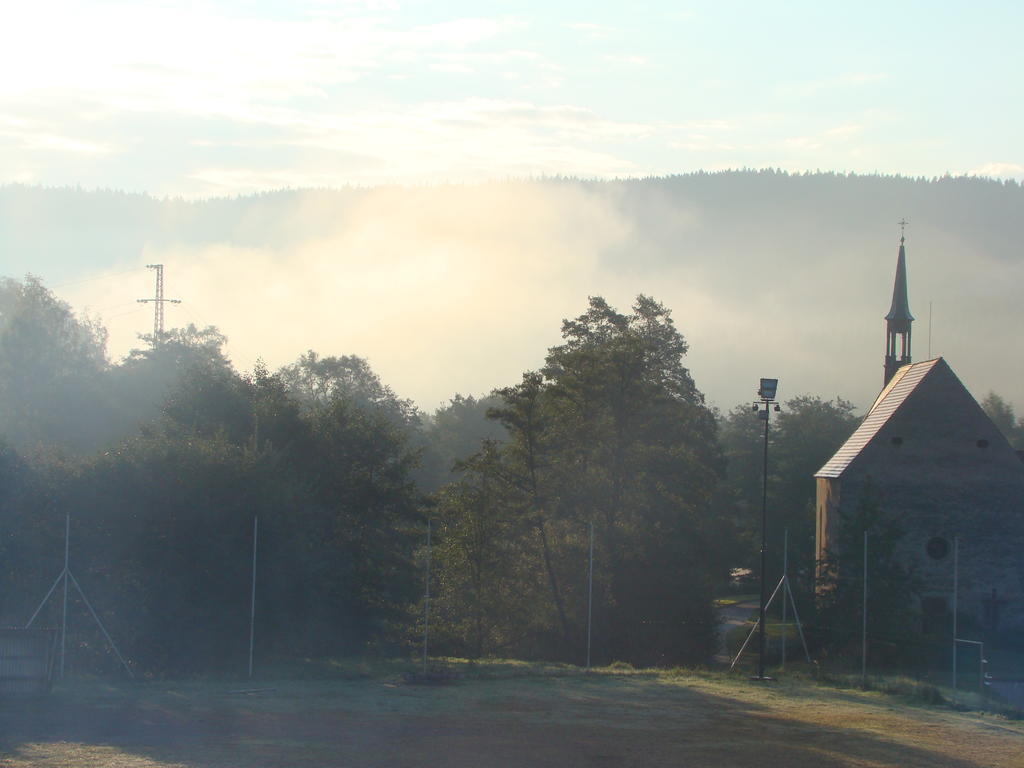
[[158, 304]]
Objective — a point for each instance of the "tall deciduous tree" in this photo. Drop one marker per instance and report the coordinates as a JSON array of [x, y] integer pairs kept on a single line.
[[316, 382], [51, 365], [614, 432]]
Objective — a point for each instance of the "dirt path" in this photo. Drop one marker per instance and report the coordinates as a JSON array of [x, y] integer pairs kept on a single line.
[[732, 616]]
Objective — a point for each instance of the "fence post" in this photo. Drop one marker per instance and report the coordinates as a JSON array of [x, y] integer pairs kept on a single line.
[[864, 619]]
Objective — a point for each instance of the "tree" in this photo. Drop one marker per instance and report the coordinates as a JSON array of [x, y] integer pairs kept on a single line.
[[360, 528], [530, 461], [1003, 416], [647, 446], [22, 535], [162, 526], [480, 605], [141, 384], [51, 369], [806, 432], [837, 621], [455, 431], [612, 432], [317, 381]]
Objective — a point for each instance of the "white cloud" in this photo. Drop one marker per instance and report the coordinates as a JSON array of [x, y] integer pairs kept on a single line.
[[810, 88], [467, 140], [459, 32], [196, 60], [999, 171], [634, 60], [844, 131], [53, 143], [590, 29]]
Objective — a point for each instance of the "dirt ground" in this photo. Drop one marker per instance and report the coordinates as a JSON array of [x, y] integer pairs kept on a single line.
[[595, 720]]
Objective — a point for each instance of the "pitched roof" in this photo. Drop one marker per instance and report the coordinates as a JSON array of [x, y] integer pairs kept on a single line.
[[895, 393]]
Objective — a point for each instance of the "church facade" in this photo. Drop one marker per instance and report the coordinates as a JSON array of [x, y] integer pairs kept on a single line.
[[927, 455]]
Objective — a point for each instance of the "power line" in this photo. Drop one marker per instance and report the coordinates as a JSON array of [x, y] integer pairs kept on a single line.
[[134, 311], [101, 276], [158, 304]]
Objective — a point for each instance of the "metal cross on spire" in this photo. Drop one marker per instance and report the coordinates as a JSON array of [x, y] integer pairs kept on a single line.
[[903, 223]]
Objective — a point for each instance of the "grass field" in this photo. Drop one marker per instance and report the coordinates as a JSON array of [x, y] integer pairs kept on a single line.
[[500, 714]]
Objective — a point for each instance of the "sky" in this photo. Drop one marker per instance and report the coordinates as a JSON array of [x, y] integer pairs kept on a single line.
[[200, 99], [236, 97]]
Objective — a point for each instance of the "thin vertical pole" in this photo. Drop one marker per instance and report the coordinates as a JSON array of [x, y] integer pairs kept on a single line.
[[864, 618], [929, 330], [956, 575], [426, 603], [785, 576], [252, 598], [590, 592], [981, 668], [764, 524], [64, 616]]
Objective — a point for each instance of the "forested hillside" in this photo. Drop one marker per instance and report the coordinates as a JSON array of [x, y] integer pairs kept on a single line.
[[768, 273]]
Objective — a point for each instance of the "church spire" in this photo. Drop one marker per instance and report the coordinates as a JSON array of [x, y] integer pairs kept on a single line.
[[897, 322]]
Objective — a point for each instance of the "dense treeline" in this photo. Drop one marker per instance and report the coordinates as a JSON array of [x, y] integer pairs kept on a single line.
[[164, 460], [162, 516], [117, 226]]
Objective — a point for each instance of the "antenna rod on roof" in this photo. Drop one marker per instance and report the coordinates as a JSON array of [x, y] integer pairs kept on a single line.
[[929, 330]]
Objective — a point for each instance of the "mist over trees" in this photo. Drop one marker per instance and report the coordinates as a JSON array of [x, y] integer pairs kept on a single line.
[[109, 228], [813, 252], [163, 513], [163, 460]]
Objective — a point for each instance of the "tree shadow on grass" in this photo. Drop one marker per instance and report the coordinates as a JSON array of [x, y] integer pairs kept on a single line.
[[569, 722]]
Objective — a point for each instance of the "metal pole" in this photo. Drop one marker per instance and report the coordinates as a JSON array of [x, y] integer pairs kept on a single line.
[[590, 592], [753, 631], [981, 668], [64, 616], [764, 524], [103, 629], [799, 627], [55, 583], [426, 604], [252, 600], [956, 574], [864, 618], [785, 575]]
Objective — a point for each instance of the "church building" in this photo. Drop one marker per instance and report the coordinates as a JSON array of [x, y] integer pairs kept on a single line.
[[927, 454]]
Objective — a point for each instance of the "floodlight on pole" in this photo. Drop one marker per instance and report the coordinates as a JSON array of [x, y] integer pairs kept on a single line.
[[766, 392], [765, 404]]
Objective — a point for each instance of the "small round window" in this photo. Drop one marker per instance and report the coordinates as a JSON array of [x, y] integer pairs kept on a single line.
[[937, 548]]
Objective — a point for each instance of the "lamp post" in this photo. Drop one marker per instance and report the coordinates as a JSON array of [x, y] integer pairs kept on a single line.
[[763, 406]]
